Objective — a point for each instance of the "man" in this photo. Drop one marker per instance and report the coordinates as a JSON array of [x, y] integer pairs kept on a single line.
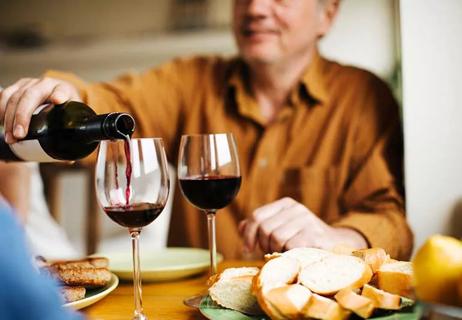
[[322, 138]]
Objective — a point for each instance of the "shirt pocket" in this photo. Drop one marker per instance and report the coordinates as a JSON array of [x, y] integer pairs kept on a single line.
[[315, 187]]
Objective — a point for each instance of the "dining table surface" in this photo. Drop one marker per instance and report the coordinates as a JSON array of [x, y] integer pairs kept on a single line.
[[161, 300]]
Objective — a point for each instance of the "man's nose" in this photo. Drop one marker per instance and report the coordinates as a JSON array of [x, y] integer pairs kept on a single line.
[[259, 7]]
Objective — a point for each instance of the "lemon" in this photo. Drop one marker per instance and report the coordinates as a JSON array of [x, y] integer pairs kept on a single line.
[[437, 269]]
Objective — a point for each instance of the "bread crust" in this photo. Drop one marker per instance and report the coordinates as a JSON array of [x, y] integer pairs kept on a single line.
[[360, 305], [374, 257], [396, 278], [71, 294], [85, 277], [382, 299]]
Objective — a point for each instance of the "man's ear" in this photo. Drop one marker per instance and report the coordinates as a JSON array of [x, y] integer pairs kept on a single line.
[[328, 12]]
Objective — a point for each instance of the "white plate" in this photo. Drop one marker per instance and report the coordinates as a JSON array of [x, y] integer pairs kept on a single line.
[[94, 295], [161, 265]]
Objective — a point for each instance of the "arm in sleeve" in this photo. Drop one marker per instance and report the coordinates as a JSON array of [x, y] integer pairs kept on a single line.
[[373, 200]]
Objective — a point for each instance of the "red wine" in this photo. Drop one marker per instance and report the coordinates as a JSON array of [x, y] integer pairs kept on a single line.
[[210, 192], [68, 131], [128, 169], [134, 216]]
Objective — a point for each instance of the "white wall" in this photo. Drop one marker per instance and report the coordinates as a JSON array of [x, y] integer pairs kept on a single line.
[[364, 35], [432, 99]]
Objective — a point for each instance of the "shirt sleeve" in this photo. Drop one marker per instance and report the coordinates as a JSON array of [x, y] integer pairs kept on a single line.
[[374, 195], [25, 294]]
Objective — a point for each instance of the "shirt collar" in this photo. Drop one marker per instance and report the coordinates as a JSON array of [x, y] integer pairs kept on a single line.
[[313, 78], [312, 82]]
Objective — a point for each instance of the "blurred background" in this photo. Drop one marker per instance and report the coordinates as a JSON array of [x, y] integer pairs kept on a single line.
[[414, 45]]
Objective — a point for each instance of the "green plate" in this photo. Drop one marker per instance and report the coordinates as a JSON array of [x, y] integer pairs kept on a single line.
[[161, 265], [213, 311]]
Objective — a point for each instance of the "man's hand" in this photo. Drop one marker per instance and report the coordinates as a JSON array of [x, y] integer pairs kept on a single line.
[[286, 224], [18, 102]]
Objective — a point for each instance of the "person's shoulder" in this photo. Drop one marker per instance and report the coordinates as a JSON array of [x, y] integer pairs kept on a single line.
[[349, 76]]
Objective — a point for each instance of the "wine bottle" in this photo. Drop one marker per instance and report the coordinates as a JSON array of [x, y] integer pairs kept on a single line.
[[68, 131]]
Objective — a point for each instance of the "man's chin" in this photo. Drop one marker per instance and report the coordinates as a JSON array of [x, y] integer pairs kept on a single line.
[[259, 57]]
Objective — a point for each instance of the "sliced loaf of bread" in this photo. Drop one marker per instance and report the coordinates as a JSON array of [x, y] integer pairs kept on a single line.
[[396, 277], [382, 299], [320, 307], [334, 273], [374, 257], [360, 305], [288, 300], [306, 256], [275, 273], [232, 289]]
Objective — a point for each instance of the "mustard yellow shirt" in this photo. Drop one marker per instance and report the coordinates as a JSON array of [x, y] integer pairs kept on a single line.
[[336, 146]]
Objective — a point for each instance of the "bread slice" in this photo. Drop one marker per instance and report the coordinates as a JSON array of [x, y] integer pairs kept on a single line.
[[289, 300], [396, 277], [320, 307], [306, 256], [382, 299], [334, 273], [71, 294], [360, 305], [374, 257], [232, 289], [275, 273], [84, 277]]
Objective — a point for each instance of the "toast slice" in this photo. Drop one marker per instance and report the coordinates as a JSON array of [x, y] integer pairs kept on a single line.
[[374, 257], [396, 277], [334, 273], [360, 305], [382, 299], [84, 277], [289, 300], [71, 294], [232, 289], [320, 307]]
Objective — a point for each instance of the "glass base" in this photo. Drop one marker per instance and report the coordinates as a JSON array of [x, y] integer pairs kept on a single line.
[[194, 301], [140, 317]]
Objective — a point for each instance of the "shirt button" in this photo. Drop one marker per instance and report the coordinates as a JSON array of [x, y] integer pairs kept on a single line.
[[263, 162]]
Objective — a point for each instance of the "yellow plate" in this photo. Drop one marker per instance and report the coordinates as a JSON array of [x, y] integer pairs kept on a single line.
[[95, 295], [161, 265]]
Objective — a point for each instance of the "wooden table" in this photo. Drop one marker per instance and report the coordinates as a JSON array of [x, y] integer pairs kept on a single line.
[[162, 300]]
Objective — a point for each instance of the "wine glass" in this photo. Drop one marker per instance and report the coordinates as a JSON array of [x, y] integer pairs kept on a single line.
[[132, 186], [210, 178]]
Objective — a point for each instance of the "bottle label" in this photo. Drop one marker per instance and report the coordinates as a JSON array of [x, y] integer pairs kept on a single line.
[[31, 150]]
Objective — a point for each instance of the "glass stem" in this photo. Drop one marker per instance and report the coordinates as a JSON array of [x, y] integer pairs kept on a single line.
[[212, 241], [135, 235]]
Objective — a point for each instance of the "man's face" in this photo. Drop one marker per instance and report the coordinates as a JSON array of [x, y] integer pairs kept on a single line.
[[272, 31]]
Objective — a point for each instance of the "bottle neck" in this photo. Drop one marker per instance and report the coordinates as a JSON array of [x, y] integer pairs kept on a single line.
[[108, 126]]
